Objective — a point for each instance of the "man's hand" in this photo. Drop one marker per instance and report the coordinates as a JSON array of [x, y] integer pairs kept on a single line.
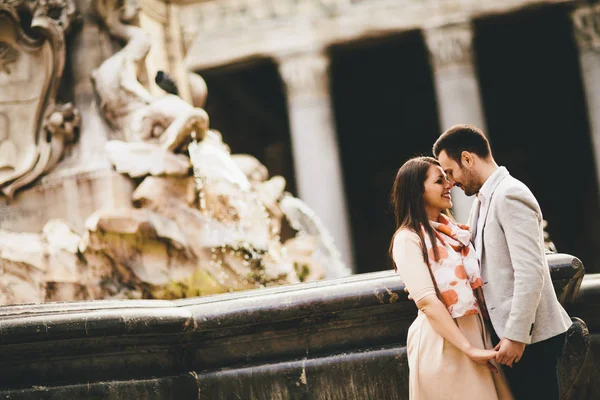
[[509, 352], [406, 291]]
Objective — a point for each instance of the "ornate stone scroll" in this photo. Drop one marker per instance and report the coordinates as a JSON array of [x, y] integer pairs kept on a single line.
[[34, 129]]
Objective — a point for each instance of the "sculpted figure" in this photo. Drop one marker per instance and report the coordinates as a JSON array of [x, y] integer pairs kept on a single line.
[[130, 109]]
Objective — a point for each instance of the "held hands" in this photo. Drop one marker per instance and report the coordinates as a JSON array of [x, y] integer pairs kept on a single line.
[[483, 357], [480, 356], [509, 352]]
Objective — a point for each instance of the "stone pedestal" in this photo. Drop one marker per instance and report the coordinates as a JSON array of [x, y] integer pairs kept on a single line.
[[457, 88], [586, 24], [314, 145]]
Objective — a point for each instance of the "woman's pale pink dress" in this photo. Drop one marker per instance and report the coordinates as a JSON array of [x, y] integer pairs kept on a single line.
[[438, 370]]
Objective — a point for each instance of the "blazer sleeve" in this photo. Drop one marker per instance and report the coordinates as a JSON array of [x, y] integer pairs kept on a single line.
[[520, 218], [411, 266]]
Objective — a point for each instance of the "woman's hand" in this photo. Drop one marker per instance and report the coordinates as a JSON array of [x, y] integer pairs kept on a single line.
[[483, 357]]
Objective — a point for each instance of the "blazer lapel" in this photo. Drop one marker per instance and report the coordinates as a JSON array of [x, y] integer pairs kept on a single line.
[[487, 210]]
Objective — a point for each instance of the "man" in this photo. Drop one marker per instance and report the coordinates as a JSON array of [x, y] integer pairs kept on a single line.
[[528, 323]]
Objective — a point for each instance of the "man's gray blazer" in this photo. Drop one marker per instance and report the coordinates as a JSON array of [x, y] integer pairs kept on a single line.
[[518, 290]]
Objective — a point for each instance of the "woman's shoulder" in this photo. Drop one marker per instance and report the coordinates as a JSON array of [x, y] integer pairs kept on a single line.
[[406, 235], [407, 248]]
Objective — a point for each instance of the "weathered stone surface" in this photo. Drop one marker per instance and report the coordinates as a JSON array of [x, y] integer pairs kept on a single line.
[[218, 32], [141, 159], [63, 262], [574, 364], [70, 196], [22, 261], [254, 170], [156, 192], [333, 339], [178, 387], [38, 268]]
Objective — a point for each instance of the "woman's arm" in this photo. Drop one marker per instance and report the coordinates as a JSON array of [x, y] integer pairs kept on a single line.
[[415, 274], [440, 319]]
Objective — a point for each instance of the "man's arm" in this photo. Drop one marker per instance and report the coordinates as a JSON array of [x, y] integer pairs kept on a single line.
[[521, 222]]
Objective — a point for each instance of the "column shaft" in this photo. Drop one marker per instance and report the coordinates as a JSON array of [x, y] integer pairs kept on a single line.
[[586, 23], [317, 164], [457, 88]]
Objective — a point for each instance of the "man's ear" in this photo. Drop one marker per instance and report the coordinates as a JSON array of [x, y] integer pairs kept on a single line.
[[467, 159]]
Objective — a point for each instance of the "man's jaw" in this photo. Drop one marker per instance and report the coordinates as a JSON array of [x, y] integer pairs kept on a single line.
[[467, 191]]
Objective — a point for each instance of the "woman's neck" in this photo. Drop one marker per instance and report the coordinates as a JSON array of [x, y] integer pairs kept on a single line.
[[433, 215]]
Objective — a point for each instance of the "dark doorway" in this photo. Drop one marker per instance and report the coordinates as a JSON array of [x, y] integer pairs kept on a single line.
[[247, 104], [385, 112], [536, 117]]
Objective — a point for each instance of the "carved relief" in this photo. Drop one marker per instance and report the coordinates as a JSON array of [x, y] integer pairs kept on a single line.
[[34, 130], [450, 45], [8, 57], [8, 149], [586, 25], [209, 17]]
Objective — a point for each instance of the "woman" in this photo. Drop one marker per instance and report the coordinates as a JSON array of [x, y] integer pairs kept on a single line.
[[447, 342]]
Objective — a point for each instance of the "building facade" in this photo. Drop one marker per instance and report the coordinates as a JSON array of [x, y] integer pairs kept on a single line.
[[335, 95]]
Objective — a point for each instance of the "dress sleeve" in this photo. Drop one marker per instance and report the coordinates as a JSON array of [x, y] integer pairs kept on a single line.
[[411, 266]]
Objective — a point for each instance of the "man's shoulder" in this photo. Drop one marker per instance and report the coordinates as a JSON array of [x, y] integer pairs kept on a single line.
[[511, 186]]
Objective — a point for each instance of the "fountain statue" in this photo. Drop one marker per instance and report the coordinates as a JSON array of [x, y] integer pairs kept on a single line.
[[201, 220]]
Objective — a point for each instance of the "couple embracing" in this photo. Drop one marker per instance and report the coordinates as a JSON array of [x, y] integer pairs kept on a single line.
[[489, 324]]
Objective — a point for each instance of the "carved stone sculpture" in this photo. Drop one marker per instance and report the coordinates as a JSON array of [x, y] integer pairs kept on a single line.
[[129, 108], [203, 220], [34, 129]]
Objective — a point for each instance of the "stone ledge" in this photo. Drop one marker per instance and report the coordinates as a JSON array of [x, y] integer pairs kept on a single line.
[[66, 344]]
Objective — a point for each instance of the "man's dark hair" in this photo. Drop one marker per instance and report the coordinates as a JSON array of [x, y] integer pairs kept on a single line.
[[459, 138]]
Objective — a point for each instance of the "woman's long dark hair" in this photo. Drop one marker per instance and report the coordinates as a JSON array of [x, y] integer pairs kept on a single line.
[[408, 204]]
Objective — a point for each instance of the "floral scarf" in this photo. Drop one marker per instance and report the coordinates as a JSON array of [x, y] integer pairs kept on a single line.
[[457, 273]]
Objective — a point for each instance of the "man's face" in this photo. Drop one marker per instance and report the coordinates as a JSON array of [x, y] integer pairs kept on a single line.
[[459, 175]]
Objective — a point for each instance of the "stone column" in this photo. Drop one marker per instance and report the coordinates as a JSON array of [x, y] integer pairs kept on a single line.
[[314, 144], [586, 24], [458, 98]]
